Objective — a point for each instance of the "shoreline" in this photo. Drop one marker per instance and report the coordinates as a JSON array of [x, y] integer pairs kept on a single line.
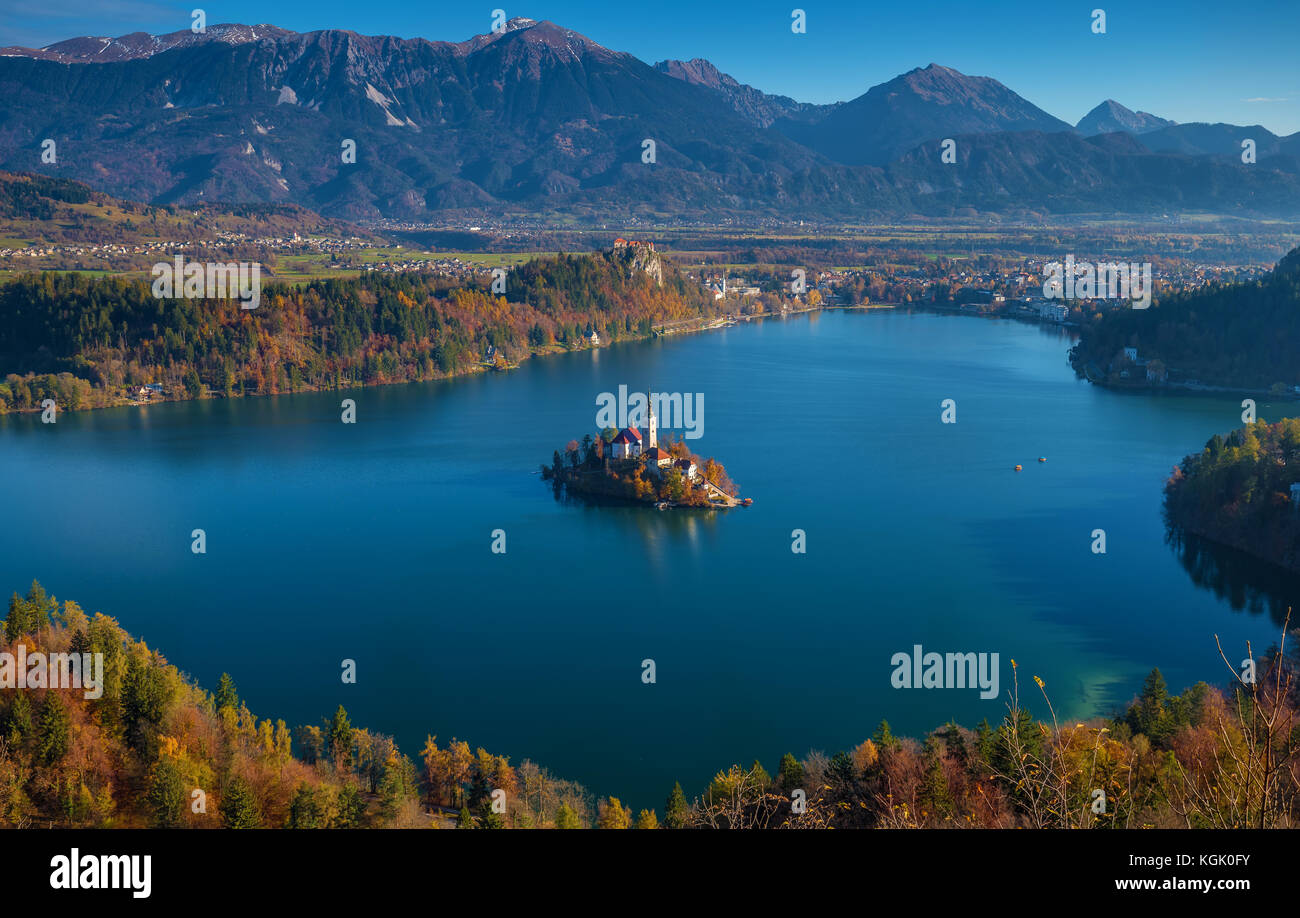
[[680, 327], [688, 326]]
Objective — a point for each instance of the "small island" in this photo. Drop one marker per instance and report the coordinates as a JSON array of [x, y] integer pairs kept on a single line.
[[624, 465]]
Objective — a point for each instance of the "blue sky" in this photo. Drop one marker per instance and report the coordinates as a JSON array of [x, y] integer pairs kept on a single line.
[[1190, 60]]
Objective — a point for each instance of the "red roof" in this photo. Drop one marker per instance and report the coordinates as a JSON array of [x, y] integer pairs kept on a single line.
[[628, 435]]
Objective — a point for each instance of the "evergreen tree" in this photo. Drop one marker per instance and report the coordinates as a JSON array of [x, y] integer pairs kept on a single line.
[[238, 808], [676, 809], [305, 810], [351, 808], [39, 606], [1150, 715], [565, 818], [465, 819], [144, 699], [487, 819], [18, 726], [955, 743], [18, 622], [842, 770], [934, 792], [338, 736], [52, 743], [396, 786], [166, 794], [985, 740], [884, 737], [790, 773], [226, 696], [80, 642]]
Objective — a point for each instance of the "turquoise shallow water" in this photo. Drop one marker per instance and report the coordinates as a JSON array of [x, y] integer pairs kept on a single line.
[[372, 542]]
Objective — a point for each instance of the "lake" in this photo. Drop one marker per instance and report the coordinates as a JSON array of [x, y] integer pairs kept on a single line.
[[372, 542]]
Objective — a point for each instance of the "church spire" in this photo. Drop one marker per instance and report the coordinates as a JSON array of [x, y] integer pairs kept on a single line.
[[652, 438]]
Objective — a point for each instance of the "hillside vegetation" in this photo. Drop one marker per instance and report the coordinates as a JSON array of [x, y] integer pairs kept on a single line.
[[89, 342], [1237, 491], [1242, 335], [155, 749]]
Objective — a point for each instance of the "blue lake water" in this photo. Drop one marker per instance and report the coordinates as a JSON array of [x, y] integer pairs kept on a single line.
[[372, 542]]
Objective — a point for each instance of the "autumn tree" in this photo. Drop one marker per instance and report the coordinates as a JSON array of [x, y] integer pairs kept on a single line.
[[613, 815], [647, 820]]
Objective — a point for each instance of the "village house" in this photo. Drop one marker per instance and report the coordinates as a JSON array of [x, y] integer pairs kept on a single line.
[[658, 457]]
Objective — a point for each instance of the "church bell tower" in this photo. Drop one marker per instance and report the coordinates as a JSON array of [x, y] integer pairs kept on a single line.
[[652, 436]]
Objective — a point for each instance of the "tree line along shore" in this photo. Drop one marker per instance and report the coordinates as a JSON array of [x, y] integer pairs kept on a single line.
[[154, 748], [91, 342]]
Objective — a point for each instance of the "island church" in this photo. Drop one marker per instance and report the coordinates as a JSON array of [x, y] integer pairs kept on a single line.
[[629, 444]]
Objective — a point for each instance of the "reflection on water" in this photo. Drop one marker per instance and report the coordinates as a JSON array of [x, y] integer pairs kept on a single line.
[[666, 536], [1243, 581]]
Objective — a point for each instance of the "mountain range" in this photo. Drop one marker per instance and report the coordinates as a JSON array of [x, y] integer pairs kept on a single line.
[[539, 120]]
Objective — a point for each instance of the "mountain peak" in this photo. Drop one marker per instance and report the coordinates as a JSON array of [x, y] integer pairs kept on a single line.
[[926, 103], [565, 43], [1110, 117]]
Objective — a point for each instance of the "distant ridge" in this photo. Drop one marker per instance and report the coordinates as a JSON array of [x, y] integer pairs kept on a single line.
[[752, 104]]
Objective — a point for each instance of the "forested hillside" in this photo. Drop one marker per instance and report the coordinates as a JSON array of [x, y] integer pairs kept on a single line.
[[1237, 491], [155, 749], [88, 342], [1245, 335]]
